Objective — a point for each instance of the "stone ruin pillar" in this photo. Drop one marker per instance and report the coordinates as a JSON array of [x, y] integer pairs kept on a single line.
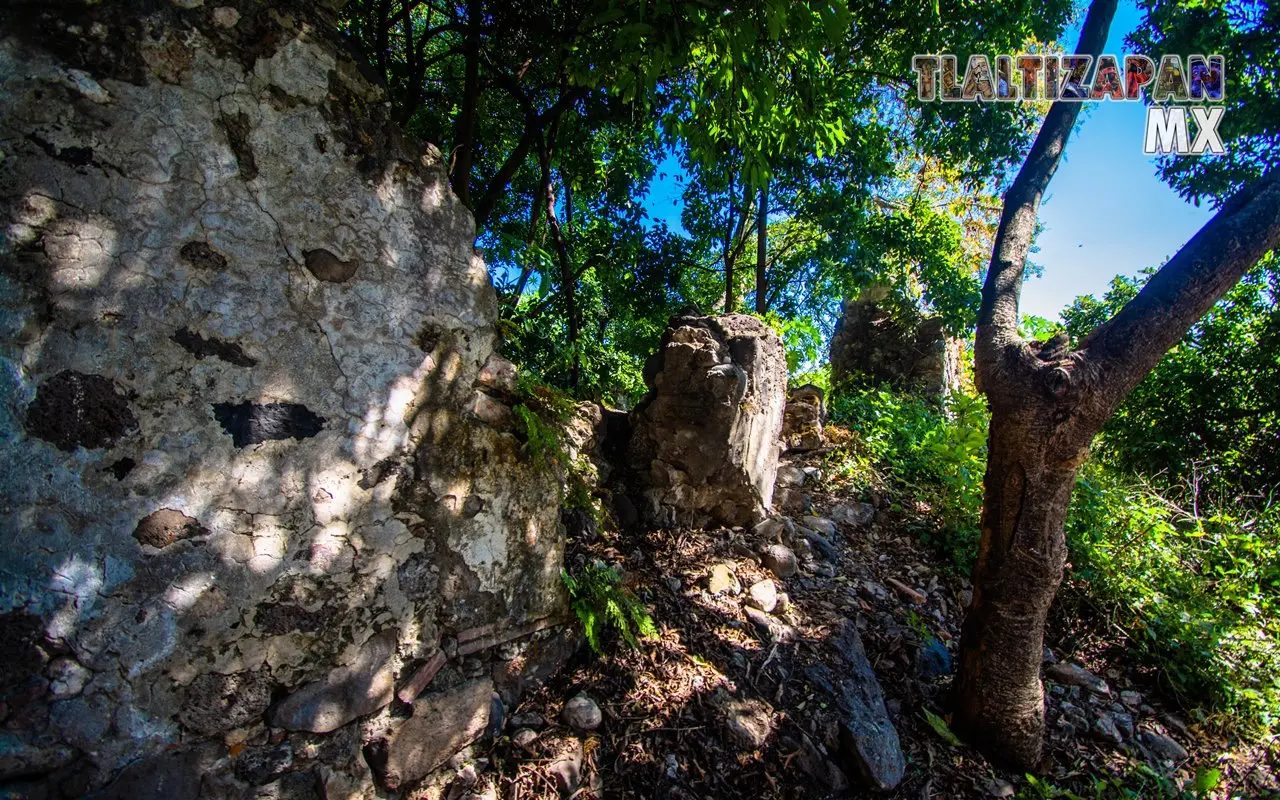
[[874, 343], [705, 440], [805, 415]]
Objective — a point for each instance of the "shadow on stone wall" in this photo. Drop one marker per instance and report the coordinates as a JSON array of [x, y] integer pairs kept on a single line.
[[258, 489]]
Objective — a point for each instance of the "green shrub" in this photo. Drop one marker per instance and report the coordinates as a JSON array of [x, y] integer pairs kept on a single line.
[[1196, 591], [602, 603], [930, 451]]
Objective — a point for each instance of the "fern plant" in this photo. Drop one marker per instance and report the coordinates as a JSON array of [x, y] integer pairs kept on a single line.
[[602, 602], [542, 442]]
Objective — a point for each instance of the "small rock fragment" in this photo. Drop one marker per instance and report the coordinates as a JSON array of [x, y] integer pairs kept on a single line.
[[857, 515], [820, 524], [873, 591], [933, 660], [87, 86], [721, 580], [763, 595], [524, 738], [1180, 727], [816, 763], [1124, 724], [225, 16], [673, 767], [534, 721], [67, 678], [1074, 675], [1104, 728], [777, 631], [261, 765], [1163, 747], [780, 560], [749, 723], [566, 769], [821, 544], [773, 528], [790, 476], [581, 714], [491, 412], [499, 375], [1130, 698]]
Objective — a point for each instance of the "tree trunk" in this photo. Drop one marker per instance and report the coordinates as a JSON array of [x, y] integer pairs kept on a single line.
[[464, 139], [762, 247], [736, 237], [729, 299], [1000, 702], [568, 284]]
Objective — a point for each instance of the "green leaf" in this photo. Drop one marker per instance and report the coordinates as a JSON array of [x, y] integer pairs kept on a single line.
[[1207, 779], [941, 728]]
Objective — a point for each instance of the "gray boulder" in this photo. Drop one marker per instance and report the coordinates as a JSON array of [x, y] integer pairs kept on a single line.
[[582, 714], [803, 419], [441, 725], [870, 752], [780, 560], [345, 693]]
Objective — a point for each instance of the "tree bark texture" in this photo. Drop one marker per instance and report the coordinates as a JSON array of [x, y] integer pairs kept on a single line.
[[999, 697]]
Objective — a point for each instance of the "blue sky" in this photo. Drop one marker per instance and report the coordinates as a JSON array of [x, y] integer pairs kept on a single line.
[[1106, 211]]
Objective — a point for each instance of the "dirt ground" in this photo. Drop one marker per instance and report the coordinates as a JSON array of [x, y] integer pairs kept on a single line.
[[665, 731]]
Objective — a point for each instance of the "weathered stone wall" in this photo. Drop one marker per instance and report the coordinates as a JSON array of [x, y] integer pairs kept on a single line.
[[875, 343], [255, 464], [705, 440]]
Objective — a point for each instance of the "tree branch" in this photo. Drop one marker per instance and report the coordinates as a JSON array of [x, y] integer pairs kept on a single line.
[[1130, 344], [998, 316], [535, 123]]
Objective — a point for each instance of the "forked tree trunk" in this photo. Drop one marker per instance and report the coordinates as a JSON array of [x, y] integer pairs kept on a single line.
[[1047, 403]]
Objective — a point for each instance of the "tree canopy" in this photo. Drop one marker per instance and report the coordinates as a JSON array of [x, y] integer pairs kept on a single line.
[[556, 119]]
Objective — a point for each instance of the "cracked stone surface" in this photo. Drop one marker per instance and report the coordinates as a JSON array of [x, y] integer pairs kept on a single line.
[[242, 323]]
